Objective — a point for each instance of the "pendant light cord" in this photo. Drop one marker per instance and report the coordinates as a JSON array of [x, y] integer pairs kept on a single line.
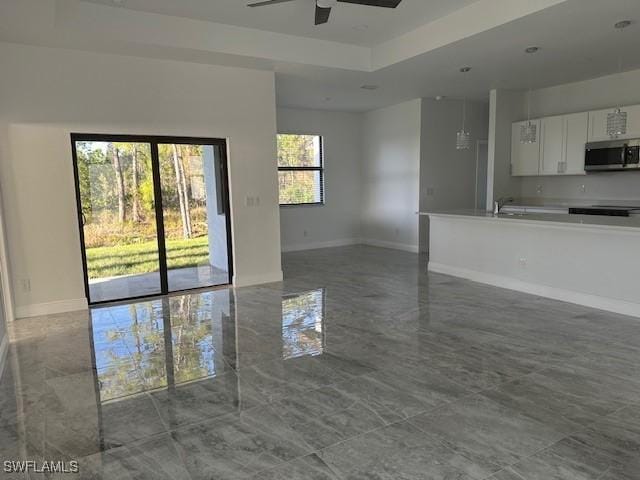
[[464, 113], [530, 92], [621, 30]]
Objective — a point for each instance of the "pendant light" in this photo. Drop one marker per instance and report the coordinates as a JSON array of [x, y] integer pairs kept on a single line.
[[617, 120], [529, 131], [463, 138]]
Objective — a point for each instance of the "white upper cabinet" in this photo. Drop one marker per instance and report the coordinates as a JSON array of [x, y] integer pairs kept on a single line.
[[525, 157], [552, 150], [575, 140], [598, 124], [560, 150]]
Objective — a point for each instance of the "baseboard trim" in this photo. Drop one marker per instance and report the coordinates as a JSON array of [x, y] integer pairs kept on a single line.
[[394, 245], [317, 245], [50, 308], [4, 350], [249, 280], [593, 301]]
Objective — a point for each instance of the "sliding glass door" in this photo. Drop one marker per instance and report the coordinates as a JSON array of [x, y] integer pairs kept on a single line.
[[153, 214], [194, 214]]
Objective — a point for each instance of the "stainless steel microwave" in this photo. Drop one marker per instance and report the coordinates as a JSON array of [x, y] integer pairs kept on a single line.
[[614, 155]]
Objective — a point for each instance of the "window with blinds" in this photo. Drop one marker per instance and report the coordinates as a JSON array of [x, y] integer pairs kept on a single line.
[[300, 169]]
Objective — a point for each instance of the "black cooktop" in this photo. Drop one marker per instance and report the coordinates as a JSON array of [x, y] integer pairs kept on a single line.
[[608, 210]]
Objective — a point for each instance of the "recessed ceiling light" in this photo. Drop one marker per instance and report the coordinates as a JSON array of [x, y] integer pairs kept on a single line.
[[532, 49], [623, 24], [369, 87]]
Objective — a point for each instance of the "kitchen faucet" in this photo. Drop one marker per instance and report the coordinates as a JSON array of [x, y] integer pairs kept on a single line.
[[501, 202]]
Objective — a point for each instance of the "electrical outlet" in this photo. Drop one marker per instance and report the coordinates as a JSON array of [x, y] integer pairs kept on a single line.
[[430, 191], [583, 188], [26, 285], [539, 189], [523, 262]]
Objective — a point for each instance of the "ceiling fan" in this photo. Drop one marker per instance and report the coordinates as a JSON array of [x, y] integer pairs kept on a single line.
[[323, 7]]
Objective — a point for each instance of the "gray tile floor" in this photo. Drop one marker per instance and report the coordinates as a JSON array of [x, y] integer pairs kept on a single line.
[[359, 366]]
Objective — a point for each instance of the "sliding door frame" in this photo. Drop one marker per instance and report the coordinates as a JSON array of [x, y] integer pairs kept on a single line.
[[153, 141]]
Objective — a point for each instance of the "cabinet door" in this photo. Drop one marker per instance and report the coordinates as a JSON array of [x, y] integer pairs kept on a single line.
[[576, 127], [525, 157], [633, 121], [552, 149], [598, 123]]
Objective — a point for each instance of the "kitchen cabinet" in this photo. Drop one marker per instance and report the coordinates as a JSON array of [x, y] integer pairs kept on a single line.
[[525, 157], [552, 145], [576, 128], [598, 124], [560, 150]]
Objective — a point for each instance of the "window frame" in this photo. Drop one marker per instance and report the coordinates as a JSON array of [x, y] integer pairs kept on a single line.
[[319, 169]]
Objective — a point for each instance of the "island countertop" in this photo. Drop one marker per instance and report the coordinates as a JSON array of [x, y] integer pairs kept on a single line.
[[589, 221]]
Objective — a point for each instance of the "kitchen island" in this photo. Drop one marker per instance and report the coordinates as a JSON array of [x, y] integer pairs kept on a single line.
[[583, 259]]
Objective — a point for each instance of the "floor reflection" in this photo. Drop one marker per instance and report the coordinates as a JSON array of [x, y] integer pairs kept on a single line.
[[161, 343], [303, 324], [167, 342], [148, 368]]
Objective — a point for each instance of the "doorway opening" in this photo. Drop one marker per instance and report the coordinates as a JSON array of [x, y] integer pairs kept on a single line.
[[153, 214]]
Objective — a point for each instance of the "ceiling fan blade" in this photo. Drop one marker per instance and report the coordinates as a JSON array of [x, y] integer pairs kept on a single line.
[[267, 2], [322, 15], [375, 3]]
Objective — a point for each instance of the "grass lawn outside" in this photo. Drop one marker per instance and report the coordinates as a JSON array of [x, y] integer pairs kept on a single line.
[[143, 257]]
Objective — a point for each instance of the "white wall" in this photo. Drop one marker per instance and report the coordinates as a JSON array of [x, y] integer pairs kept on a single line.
[[6, 297], [337, 222], [623, 187], [448, 175], [216, 222], [390, 175], [505, 107], [4, 339], [594, 94], [48, 93]]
